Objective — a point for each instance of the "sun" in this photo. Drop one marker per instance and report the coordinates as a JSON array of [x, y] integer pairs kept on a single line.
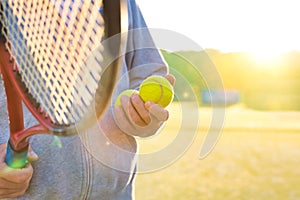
[[266, 57]]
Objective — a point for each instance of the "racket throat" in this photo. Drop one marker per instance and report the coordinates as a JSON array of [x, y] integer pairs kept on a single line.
[[20, 147], [17, 148], [19, 140]]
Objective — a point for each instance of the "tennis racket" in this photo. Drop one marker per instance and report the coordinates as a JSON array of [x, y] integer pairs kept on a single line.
[[61, 59]]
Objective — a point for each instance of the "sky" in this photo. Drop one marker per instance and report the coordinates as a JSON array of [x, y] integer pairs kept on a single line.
[[259, 26]]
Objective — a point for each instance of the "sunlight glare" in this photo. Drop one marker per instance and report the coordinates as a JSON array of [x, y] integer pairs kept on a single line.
[[266, 57], [231, 25]]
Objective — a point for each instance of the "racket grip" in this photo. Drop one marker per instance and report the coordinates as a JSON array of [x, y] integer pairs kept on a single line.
[[16, 159]]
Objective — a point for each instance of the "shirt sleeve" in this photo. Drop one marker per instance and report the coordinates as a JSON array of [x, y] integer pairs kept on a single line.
[[143, 58], [4, 126]]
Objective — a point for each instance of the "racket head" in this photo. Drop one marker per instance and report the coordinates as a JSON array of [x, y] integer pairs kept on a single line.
[[104, 80]]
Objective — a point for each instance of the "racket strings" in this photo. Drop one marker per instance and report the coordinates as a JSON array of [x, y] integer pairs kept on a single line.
[[52, 43]]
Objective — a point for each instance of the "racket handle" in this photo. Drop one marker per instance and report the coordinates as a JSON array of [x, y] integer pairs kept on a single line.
[[16, 159]]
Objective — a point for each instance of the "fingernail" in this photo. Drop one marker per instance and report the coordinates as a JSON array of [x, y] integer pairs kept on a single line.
[[32, 155], [148, 104], [134, 96]]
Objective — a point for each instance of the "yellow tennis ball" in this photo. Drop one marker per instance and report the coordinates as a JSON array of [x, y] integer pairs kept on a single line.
[[158, 90], [127, 93]]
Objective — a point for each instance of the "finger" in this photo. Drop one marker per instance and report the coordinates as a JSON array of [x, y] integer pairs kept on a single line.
[[158, 112], [7, 185], [123, 122], [11, 193], [130, 112], [170, 78], [139, 106], [148, 104], [17, 175], [32, 156]]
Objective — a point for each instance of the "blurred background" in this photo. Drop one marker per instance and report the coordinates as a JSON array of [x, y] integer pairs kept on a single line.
[[255, 47]]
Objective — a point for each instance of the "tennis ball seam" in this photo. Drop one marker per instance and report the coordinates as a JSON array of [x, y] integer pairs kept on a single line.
[[165, 88], [161, 91]]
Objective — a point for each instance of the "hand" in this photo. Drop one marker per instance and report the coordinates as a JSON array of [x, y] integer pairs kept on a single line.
[[14, 182], [137, 118]]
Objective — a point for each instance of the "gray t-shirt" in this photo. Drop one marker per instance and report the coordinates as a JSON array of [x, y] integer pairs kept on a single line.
[[88, 165]]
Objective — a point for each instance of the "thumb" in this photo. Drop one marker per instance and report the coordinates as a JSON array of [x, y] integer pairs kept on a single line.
[[32, 156]]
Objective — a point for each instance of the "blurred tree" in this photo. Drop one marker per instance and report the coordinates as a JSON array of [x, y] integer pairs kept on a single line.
[[260, 83]]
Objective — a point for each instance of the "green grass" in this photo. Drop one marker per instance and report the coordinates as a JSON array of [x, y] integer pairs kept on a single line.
[[247, 163]]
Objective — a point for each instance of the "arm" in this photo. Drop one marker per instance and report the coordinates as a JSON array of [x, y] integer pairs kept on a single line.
[[143, 59]]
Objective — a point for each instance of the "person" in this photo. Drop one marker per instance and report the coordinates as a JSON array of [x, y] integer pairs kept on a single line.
[[101, 162]]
